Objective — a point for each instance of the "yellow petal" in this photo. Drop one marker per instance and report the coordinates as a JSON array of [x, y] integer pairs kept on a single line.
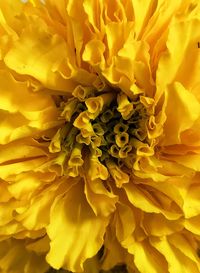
[[39, 246], [180, 114], [116, 34], [15, 258], [181, 242], [16, 168], [192, 135], [177, 262], [100, 199], [191, 205], [114, 253], [189, 161], [92, 265], [93, 53], [25, 149], [142, 12], [47, 52], [9, 16], [192, 224], [118, 175], [32, 234], [136, 197], [158, 225], [180, 45], [34, 215], [13, 228], [5, 195], [75, 232], [96, 169], [173, 168], [174, 188], [145, 201], [28, 154], [21, 115], [147, 259], [7, 210], [93, 9], [125, 221]]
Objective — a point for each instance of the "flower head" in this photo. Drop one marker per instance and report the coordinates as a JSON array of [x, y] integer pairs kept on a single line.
[[100, 136]]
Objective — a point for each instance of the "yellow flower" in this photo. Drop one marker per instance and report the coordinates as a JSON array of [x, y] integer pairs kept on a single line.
[[100, 136]]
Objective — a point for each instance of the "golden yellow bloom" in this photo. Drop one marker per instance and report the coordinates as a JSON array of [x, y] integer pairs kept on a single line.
[[100, 136]]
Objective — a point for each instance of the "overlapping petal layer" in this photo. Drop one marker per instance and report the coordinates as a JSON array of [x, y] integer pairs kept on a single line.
[[100, 136]]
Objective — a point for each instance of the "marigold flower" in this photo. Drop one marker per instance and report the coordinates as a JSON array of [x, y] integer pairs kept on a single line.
[[100, 136]]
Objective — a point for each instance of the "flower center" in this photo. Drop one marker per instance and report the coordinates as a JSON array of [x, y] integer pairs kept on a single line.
[[104, 129]]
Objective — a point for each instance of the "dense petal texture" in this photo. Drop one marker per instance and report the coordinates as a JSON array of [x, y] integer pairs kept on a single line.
[[100, 136]]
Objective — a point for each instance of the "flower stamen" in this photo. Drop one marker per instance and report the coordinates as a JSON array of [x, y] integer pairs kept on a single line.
[[106, 126]]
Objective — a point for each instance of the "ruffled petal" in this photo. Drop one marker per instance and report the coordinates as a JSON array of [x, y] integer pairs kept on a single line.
[[147, 202], [158, 225], [124, 221], [177, 261], [100, 139], [75, 232], [192, 224], [182, 41], [48, 51], [180, 115], [100, 199], [147, 259], [192, 201], [15, 258], [186, 246], [119, 256], [23, 112]]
